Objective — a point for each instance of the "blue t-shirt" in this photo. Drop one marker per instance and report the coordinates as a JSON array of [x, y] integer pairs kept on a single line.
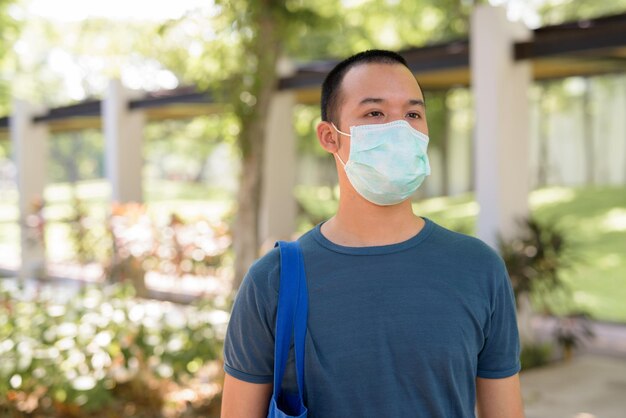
[[393, 330]]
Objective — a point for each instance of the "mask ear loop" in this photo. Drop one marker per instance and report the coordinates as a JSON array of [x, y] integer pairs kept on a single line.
[[337, 154]]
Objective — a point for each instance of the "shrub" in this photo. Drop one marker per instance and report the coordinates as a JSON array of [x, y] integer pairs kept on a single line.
[[536, 355], [537, 259], [535, 262], [179, 247], [101, 350]]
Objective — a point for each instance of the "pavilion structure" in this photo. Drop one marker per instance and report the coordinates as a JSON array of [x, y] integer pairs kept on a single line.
[[499, 61]]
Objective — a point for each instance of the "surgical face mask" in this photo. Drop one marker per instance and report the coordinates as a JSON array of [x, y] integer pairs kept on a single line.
[[387, 162]]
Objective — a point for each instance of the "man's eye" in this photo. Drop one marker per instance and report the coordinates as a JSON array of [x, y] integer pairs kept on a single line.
[[414, 115], [375, 113]]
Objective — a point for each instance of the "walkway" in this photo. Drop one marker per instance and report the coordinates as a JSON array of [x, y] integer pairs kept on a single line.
[[590, 386]]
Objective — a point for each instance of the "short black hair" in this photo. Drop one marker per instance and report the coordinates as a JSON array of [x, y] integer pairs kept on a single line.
[[331, 87]]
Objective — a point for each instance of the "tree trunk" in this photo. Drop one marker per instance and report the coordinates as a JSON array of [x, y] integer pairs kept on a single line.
[[265, 48], [246, 229]]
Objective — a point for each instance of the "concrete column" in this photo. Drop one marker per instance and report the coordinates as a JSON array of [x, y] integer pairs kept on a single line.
[[278, 205], [30, 152], [500, 87], [123, 133]]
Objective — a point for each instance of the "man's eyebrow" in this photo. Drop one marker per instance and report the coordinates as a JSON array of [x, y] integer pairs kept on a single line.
[[417, 102], [371, 100], [412, 102]]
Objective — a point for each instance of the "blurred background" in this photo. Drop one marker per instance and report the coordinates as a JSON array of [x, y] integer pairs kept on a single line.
[[151, 150]]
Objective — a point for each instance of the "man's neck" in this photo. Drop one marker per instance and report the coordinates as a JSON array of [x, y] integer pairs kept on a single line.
[[359, 223]]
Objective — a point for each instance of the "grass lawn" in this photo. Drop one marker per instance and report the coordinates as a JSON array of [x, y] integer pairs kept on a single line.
[[594, 218], [596, 222]]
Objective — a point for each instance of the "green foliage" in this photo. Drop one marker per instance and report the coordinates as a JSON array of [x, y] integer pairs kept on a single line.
[[100, 350], [227, 55], [87, 238], [179, 247], [349, 27], [211, 46], [456, 213], [533, 356], [9, 32], [305, 120], [132, 242], [572, 330], [8, 27], [596, 218], [537, 259], [174, 149], [316, 204], [61, 63], [436, 115], [180, 148], [555, 12], [76, 156]]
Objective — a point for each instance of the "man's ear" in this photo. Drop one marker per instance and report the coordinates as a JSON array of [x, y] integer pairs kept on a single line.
[[327, 137]]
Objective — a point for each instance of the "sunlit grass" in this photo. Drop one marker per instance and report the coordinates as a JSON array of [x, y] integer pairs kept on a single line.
[[596, 219], [551, 195], [457, 213]]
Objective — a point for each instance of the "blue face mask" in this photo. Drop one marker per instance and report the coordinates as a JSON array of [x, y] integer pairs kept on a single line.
[[387, 162]]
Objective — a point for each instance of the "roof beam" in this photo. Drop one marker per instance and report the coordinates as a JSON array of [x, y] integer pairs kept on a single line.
[[572, 38]]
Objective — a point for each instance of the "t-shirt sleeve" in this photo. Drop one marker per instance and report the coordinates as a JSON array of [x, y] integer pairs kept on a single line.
[[249, 343], [500, 355]]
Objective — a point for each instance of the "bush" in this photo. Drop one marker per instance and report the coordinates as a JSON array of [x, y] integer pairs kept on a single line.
[[537, 259], [535, 355], [101, 353]]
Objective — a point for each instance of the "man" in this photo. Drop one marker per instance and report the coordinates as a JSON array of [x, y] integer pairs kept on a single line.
[[406, 318]]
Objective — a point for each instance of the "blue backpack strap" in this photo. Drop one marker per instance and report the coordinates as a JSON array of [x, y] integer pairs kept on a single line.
[[291, 321]]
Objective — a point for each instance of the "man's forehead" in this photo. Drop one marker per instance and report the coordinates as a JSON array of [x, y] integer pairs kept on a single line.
[[377, 80]]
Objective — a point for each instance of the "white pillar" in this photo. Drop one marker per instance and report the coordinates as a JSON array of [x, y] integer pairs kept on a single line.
[[123, 133], [500, 87], [30, 151], [278, 205]]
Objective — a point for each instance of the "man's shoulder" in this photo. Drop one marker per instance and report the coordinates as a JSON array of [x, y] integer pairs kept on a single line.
[[267, 262], [265, 271], [467, 246]]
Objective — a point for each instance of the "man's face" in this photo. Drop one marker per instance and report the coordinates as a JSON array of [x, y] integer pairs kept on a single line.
[[381, 93], [371, 94]]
